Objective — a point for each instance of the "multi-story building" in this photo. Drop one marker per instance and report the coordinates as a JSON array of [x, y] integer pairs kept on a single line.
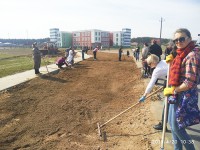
[[126, 37], [110, 39], [117, 38], [64, 39], [54, 34], [91, 38], [105, 39], [81, 38], [95, 38]]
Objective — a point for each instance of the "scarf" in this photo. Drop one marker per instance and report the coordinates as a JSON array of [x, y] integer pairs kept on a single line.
[[175, 69]]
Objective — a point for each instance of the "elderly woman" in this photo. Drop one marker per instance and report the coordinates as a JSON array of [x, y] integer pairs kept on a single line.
[[160, 72], [36, 58], [183, 79]]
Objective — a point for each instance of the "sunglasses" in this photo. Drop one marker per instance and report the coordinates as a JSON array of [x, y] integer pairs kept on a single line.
[[181, 39]]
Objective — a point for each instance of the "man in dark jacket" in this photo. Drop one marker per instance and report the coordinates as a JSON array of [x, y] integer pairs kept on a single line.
[[36, 58], [155, 49], [120, 53]]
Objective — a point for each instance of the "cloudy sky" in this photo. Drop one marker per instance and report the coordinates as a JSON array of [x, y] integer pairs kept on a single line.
[[34, 18]]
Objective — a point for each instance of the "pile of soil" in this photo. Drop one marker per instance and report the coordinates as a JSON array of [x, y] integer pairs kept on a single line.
[[61, 111]]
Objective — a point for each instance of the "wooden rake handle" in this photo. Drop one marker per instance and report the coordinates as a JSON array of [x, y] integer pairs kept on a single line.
[[130, 107]]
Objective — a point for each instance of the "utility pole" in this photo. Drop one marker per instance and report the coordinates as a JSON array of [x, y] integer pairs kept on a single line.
[[27, 38], [161, 29]]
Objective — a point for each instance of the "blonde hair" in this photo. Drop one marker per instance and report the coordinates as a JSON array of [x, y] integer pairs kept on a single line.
[[152, 59]]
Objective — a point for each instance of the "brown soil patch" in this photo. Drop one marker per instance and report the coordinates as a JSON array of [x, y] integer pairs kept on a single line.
[[61, 111]]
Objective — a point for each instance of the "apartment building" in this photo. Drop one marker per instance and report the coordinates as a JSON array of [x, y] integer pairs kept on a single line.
[[54, 34], [126, 37], [92, 38], [81, 38], [64, 39], [105, 39], [117, 38]]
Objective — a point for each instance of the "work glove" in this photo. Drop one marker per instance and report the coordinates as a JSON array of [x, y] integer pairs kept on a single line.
[[169, 91], [169, 58], [142, 99]]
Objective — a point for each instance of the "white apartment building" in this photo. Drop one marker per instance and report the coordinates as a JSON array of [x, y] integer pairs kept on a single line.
[[126, 37], [117, 38], [95, 37], [54, 34]]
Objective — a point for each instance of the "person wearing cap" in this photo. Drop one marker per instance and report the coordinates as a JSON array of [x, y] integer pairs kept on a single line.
[[36, 58]]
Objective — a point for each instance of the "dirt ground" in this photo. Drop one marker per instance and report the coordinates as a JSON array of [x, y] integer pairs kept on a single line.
[[61, 111]]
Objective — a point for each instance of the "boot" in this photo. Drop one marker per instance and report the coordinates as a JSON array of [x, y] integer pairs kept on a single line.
[[37, 71]]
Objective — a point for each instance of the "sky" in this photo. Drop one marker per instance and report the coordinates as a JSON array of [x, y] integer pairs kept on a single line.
[[32, 19]]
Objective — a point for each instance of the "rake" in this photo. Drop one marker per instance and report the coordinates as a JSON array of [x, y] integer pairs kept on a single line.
[[100, 126], [46, 65]]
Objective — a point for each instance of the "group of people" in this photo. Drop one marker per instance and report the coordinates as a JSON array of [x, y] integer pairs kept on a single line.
[[120, 53], [184, 76], [182, 92], [146, 51], [67, 60]]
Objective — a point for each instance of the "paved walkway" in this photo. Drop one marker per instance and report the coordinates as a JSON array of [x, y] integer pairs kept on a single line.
[[12, 80]]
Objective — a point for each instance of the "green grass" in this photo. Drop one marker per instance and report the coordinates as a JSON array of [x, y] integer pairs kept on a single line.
[[14, 65], [13, 61], [2, 56]]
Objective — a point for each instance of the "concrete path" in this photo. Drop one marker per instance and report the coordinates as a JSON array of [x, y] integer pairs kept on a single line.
[[12, 80]]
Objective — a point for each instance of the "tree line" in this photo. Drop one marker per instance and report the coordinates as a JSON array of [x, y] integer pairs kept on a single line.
[[139, 40], [24, 41]]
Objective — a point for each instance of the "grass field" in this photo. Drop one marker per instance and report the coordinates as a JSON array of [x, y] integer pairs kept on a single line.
[[15, 60]]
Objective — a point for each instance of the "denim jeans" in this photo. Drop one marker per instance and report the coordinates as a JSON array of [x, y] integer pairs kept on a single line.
[[180, 136]]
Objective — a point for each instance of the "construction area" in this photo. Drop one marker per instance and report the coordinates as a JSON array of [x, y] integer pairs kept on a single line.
[[63, 111]]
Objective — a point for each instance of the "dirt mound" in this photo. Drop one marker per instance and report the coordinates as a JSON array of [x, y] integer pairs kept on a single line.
[[62, 111]]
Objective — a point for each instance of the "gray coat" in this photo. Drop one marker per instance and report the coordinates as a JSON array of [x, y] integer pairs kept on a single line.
[[36, 58]]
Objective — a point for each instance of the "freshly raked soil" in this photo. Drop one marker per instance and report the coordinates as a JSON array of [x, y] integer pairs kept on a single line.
[[61, 111]]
